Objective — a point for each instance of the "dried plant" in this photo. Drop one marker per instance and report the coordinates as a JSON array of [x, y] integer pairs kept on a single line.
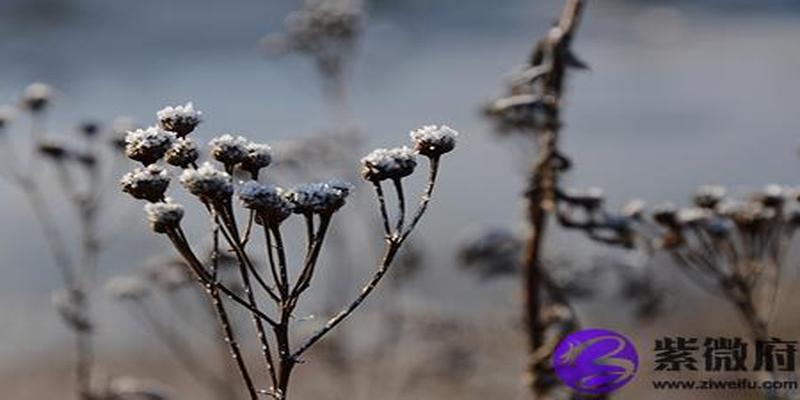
[[82, 170], [270, 207], [327, 31], [533, 107], [734, 248]]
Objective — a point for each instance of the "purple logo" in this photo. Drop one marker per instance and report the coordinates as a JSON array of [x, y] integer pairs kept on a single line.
[[595, 361]]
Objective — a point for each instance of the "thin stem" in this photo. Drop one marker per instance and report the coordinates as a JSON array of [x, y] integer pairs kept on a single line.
[[426, 196], [304, 281], [384, 214], [391, 251], [401, 203]]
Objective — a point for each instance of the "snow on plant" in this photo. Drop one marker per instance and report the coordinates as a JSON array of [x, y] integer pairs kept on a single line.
[[269, 208]]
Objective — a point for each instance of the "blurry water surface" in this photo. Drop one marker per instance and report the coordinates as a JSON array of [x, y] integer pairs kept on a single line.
[[679, 94]]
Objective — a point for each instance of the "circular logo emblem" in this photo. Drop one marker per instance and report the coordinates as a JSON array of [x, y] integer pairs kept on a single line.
[[595, 361]]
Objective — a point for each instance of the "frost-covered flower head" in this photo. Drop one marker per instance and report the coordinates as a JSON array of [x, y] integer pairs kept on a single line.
[[258, 156], [207, 182], [433, 141], [270, 202], [319, 198], [148, 183], [127, 288], [179, 119], [229, 150], [591, 198], [148, 145], [384, 164], [708, 196], [182, 153], [37, 96], [163, 215]]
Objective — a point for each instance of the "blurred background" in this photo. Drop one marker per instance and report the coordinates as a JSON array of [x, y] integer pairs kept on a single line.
[[680, 93]]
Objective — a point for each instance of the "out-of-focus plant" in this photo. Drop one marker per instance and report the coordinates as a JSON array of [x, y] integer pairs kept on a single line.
[[734, 248], [268, 207], [496, 253], [83, 167], [327, 31], [167, 282], [533, 107]]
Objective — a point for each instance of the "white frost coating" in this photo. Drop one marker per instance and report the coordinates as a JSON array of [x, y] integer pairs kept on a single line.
[[182, 153], [163, 215], [207, 182], [147, 183], [258, 156], [269, 200], [182, 119], [148, 145], [383, 164], [228, 149], [433, 140], [319, 197]]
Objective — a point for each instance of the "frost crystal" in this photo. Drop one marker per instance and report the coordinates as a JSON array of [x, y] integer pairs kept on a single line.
[[318, 198], [229, 150], [207, 182], [384, 164], [269, 201], [147, 183], [182, 153], [148, 145], [258, 156], [127, 288], [180, 119], [433, 141], [37, 96], [163, 215]]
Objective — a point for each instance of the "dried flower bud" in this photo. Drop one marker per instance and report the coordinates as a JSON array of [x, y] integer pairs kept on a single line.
[[208, 183], [183, 153], [319, 198], [590, 199], [384, 164], [149, 183], [53, 149], [774, 195], [708, 196], [180, 119], [36, 97], [634, 209], [268, 201], [90, 129], [666, 215], [127, 288], [148, 145], [229, 150], [258, 156], [164, 215], [433, 141]]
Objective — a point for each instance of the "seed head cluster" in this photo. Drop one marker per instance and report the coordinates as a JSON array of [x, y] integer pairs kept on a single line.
[[148, 183], [433, 141], [182, 153], [269, 201], [207, 182], [181, 120], [163, 215], [148, 145]]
